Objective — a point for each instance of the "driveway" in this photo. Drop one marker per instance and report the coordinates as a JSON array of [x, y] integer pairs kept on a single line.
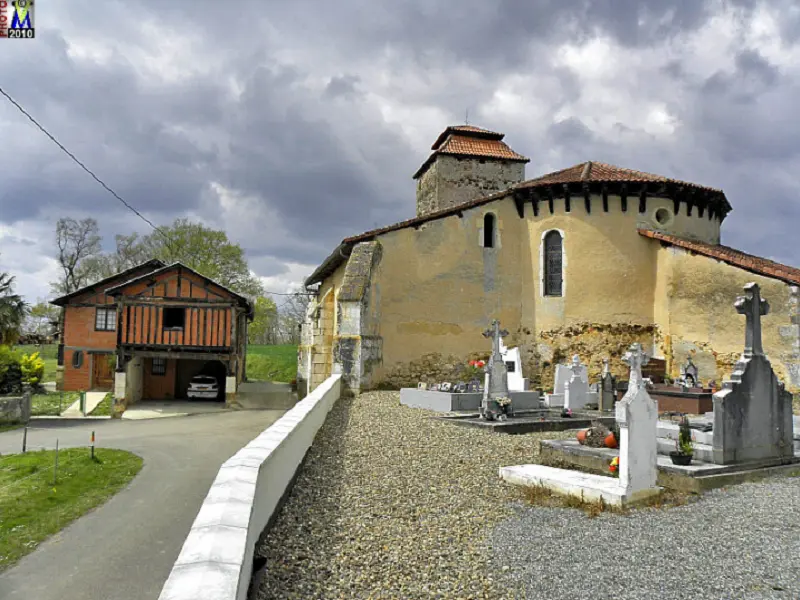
[[125, 549]]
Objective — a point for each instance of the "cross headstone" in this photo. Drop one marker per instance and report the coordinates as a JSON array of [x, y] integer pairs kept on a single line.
[[753, 307], [496, 374], [606, 370], [636, 359], [607, 393], [637, 417]]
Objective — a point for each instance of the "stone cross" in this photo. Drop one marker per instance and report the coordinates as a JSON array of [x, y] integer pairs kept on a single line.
[[606, 370], [753, 307], [635, 359], [495, 333]]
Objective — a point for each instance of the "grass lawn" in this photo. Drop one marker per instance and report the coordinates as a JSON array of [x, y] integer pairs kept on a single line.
[[104, 408], [10, 427], [48, 353], [33, 508], [52, 403], [272, 363]]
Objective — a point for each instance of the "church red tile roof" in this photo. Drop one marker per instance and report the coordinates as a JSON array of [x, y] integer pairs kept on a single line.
[[470, 141], [589, 172], [731, 256]]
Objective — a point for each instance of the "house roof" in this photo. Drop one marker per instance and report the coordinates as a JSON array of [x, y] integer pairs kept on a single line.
[[153, 264], [472, 142], [591, 172], [117, 290], [731, 256]]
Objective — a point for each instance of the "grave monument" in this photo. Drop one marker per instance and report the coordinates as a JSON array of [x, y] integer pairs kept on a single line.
[[637, 416], [576, 390], [753, 411], [496, 404]]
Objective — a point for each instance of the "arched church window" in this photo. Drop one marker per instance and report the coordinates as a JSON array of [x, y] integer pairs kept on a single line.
[[553, 263], [489, 230]]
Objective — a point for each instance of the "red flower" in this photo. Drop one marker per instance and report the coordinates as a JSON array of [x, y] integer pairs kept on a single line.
[[480, 364]]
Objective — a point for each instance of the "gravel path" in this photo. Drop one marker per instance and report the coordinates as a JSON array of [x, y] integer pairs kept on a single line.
[[393, 504], [739, 543]]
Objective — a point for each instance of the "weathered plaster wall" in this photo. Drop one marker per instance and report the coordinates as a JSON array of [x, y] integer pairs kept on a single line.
[[436, 289], [452, 180], [696, 315]]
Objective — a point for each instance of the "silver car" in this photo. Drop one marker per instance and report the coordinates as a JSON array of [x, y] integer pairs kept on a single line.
[[203, 386]]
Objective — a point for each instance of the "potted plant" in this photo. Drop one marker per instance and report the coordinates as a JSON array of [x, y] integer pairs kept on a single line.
[[684, 451]]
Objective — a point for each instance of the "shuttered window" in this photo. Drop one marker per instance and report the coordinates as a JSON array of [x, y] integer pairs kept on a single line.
[[553, 262], [159, 366]]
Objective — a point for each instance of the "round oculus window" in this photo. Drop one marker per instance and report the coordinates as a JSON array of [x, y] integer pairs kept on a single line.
[[663, 216]]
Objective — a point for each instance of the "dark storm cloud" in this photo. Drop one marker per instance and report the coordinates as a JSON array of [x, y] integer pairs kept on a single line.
[[299, 133]]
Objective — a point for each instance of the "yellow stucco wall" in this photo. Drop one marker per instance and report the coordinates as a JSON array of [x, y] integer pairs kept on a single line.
[[694, 310], [435, 289]]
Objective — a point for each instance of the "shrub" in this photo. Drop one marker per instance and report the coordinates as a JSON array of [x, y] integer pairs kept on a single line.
[[32, 367], [685, 438], [10, 371]]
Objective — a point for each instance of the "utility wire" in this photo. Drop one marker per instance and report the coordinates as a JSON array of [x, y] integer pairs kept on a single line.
[[107, 188]]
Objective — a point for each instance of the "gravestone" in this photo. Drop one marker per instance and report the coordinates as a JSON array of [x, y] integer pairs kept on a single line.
[[495, 393], [576, 390], [563, 374], [513, 359], [606, 392], [753, 411], [637, 417]]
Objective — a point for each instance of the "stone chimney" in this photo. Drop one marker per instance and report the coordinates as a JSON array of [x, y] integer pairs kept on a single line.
[[467, 163]]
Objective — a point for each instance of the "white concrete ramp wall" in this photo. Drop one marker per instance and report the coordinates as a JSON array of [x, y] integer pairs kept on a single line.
[[217, 558]]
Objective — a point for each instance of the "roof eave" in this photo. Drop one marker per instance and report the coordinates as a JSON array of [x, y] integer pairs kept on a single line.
[[329, 265], [63, 300]]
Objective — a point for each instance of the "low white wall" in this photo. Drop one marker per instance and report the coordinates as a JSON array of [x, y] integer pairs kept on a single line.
[[217, 558]]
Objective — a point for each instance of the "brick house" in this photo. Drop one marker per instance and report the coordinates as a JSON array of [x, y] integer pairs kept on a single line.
[[147, 331]]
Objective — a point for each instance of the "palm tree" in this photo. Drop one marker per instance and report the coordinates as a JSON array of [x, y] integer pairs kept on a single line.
[[12, 310]]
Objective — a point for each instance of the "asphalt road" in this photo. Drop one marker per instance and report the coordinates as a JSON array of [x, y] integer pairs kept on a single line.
[[125, 549]]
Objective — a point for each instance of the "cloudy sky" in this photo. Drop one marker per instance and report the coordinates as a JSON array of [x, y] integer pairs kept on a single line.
[[294, 124]]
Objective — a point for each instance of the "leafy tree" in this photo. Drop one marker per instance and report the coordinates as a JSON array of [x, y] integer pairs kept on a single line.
[[207, 251], [78, 244], [263, 328], [12, 310]]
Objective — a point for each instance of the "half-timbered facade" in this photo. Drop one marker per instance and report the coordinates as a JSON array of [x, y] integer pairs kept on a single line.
[[161, 326]]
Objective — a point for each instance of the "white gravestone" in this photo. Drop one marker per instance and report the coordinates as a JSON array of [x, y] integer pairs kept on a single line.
[[576, 391], [563, 375], [513, 360], [637, 415]]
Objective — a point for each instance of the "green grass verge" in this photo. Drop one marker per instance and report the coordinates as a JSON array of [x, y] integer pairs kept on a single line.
[[272, 363], [11, 427], [105, 407], [33, 508], [48, 353], [51, 404]]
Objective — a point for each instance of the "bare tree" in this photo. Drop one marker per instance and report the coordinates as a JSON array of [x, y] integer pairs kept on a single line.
[[291, 314], [79, 248]]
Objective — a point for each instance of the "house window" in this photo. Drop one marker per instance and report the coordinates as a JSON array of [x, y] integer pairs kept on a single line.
[[553, 262], [77, 359], [489, 227], [159, 366], [174, 318], [105, 319]]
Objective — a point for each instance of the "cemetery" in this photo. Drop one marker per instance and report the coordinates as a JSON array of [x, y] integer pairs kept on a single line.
[[433, 491]]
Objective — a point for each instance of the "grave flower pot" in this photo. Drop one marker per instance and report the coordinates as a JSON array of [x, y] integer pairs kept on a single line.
[[681, 459], [582, 436], [611, 441]]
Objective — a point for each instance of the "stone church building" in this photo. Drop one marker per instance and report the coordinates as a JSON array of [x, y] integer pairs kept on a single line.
[[584, 261]]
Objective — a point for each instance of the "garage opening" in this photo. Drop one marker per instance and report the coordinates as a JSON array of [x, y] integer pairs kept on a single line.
[[200, 381]]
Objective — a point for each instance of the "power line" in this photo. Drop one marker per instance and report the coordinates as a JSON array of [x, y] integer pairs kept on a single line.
[[84, 167], [107, 188]]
